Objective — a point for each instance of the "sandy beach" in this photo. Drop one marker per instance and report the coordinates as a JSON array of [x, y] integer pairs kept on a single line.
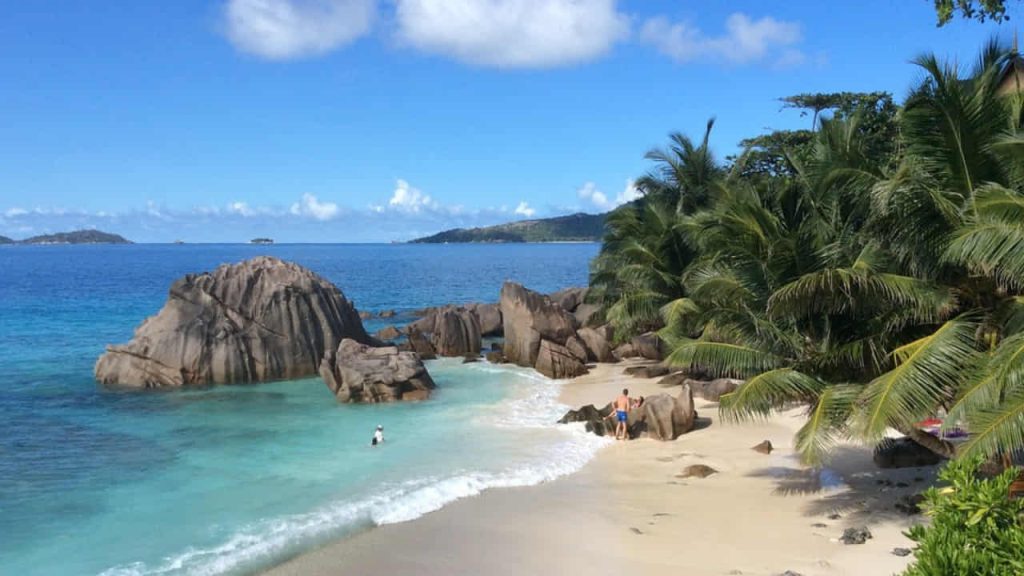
[[628, 511]]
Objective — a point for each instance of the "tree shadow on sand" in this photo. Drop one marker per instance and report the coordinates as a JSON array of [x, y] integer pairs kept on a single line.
[[850, 484]]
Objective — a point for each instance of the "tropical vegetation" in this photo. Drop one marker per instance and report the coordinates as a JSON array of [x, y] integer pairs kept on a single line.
[[870, 268]]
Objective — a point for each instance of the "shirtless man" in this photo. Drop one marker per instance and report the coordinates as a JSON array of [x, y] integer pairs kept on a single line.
[[622, 406]]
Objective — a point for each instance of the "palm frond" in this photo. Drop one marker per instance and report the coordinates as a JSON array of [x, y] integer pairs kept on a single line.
[[826, 423], [768, 391]]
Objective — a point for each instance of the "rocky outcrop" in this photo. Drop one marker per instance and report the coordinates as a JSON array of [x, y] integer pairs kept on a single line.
[[713, 390], [419, 344], [361, 373], [623, 351], [558, 362], [647, 371], [528, 318], [456, 333], [489, 317], [649, 345], [586, 314], [903, 453], [259, 320], [576, 347], [662, 417], [570, 298], [598, 343], [388, 333]]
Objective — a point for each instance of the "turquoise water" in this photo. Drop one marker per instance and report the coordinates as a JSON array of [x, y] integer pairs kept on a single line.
[[232, 478]]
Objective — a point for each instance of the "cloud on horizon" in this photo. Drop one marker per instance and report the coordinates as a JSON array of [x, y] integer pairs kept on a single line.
[[590, 193], [744, 41], [503, 34]]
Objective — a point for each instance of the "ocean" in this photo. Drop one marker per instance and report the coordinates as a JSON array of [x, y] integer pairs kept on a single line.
[[231, 479]]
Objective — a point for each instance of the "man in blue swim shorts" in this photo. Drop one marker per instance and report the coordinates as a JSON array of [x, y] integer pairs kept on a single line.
[[622, 405]]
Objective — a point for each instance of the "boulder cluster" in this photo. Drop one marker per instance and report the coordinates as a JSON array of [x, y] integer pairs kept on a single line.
[[661, 417]]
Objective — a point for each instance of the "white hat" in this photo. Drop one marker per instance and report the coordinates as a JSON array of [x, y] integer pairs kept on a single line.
[[379, 427]]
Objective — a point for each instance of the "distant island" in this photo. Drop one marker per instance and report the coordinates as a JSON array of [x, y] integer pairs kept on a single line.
[[76, 237], [261, 241], [6, 240], [578, 227]]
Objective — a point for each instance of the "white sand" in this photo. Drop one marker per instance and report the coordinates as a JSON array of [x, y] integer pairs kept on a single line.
[[627, 512]]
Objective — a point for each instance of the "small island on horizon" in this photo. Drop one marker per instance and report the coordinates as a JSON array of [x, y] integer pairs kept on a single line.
[[579, 227], [73, 237], [261, 241]]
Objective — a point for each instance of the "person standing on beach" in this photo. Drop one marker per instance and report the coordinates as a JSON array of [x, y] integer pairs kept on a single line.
[[622, 405]]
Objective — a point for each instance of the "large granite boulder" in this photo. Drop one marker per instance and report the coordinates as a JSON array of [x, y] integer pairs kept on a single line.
[[259, 320], [586, 314], [456, 333], [489, 317], [649, 345], [421, 345], [666, 417], [557, 361], [569, 298], [903, 453], [661, 417], [529, 317], [713, 390], [361, 373], [598, 343]]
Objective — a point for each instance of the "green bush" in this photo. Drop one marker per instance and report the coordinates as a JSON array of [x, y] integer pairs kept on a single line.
[[976, 530]]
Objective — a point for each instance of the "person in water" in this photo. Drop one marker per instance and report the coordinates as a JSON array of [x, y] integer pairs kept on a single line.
[[378, 436], [622, 406]]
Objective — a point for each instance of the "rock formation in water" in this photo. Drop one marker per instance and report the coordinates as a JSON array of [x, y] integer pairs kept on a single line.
[[360, 373], [529, 318], [662, 417], [456, 332], [259, 320]]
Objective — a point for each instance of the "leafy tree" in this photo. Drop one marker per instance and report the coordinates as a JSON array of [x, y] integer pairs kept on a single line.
[[979, 10]]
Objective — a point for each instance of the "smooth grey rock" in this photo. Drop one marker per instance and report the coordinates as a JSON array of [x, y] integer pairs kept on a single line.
[[649, 345], [624, 351], [556, 361], [489, 317], [361, 373], [713, 390], [388, 333], [598, 344], [456, 333], [569, 298], [259, 320], [697, 471], [421, 345], [647, 371], [575, 347], [666, 417], [527, 318], [586, 314]]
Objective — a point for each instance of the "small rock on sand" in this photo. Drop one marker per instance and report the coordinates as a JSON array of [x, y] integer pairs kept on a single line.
[[855, 535], [697, 470], [901, 551], [764, 447]]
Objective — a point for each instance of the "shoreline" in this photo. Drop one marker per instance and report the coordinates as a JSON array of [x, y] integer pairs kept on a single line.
[[627, 508]]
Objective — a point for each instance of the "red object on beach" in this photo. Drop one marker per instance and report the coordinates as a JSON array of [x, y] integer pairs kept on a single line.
[[929, 422]]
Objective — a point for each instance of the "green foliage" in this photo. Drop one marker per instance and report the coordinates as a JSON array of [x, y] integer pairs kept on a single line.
[[975, 530], [870, 270], [979, 10], [574, 227]]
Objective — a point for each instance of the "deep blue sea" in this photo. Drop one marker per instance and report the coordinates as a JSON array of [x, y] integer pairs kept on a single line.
[[230, 479]]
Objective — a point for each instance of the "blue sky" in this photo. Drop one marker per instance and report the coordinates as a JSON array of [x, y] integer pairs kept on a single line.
[[379, 120]]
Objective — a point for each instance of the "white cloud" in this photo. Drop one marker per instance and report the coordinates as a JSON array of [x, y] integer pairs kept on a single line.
[[282, 29], [15, 212], [408, 199], [524, 210], [241, 208], [314, 208], [512, 33], [745, 40], [599, 199]]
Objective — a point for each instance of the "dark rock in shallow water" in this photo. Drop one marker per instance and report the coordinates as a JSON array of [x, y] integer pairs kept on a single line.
[[260, 320], [903, 453], [586, 413], [855, 535], [361, 373], [387, 314], [495, 357], [470, 359]]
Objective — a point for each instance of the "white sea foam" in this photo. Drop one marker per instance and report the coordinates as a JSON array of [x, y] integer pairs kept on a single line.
[[534, 406]]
